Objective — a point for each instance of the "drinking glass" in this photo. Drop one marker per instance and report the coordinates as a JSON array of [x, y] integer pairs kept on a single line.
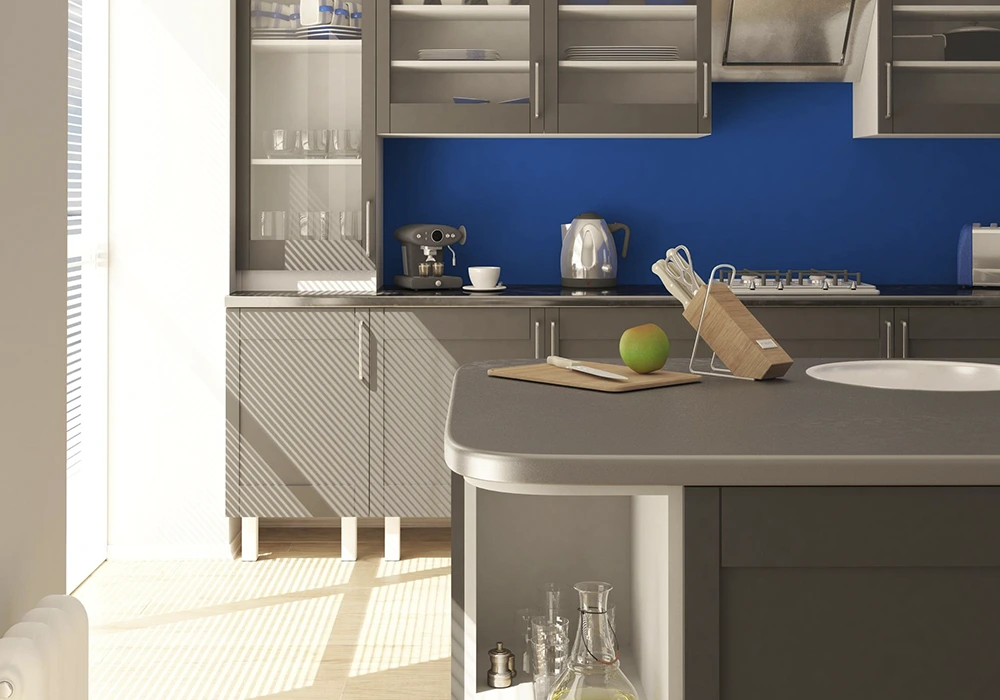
[[315, 143], [548, 651], [271, 228], [279, 143], [350, 225], [314, 226], [524, 617], [352, 140]]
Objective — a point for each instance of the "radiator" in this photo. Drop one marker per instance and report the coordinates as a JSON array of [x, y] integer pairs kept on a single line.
[[44, 656]]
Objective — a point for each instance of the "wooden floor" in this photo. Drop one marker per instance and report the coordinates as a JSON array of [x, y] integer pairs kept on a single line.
[[299, 623]]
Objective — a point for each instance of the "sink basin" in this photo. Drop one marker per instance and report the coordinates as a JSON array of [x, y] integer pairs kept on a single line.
[[912, 375]]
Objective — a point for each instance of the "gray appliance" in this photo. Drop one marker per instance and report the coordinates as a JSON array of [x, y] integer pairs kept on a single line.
[[589, 257], [423, 256], [979, 256]]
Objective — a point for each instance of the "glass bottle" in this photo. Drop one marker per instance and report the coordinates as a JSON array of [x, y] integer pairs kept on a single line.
[[593, 672]]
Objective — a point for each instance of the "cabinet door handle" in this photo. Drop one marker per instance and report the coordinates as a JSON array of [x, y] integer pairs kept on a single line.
[[538, 337], [906, 339], [553, 339], [368, 228], [361, 351], [888, 90], [708, 89], [538, 90], [888, 340]]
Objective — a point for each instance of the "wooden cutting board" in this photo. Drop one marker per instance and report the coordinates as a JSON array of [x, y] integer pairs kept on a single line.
[[547, 374]]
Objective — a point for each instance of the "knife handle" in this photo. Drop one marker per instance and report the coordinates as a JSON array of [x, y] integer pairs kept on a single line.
[[557, 361]]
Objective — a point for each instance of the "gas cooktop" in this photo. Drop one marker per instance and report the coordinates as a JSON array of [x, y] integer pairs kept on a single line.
[[797, 282]]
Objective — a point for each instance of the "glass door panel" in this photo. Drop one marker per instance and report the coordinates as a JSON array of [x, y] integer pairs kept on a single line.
[[629, 67], [946, 68], [463, 68], [307, 205]]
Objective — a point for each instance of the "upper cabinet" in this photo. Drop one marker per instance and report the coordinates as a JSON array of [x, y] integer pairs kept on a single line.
[[309, 175], [931, 69], [626, 67]]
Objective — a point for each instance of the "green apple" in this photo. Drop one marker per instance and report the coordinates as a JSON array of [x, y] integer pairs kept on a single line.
[[644, 348]]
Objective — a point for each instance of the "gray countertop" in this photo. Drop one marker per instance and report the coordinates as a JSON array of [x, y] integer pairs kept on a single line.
[[792, 431], [636, 295]]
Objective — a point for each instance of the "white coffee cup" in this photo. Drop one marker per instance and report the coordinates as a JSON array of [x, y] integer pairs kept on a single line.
[[484, 277]]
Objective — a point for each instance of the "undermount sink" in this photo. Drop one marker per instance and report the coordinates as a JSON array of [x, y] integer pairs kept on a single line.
[[912, 375]]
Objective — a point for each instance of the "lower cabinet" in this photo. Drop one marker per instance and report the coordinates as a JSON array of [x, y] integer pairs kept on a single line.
[[947, 333], [834, 332], [844, 592], [418, 352], [303, 412]]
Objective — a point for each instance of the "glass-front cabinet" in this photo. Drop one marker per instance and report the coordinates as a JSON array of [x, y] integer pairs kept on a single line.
[[933, 69], [481, 67], [310, 156], [629, 67]]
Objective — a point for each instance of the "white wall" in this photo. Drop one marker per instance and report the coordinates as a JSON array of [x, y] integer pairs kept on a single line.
[[170, 220], [33, 312]]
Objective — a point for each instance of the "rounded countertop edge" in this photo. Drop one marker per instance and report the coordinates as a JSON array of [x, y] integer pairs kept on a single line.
[[548, 474]]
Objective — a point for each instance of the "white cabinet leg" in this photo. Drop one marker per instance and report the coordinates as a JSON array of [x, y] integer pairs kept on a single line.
[[249, 539], [349, 539], [392, 545]]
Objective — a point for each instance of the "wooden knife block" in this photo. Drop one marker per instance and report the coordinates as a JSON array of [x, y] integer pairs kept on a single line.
[[736, 336]]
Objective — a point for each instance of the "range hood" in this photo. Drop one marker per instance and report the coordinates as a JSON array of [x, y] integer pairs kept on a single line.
[[790, 40]]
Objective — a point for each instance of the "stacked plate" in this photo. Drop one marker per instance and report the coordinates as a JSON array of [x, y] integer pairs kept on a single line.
[[458, 55], [623, 53], [328, 31], [273, 33]]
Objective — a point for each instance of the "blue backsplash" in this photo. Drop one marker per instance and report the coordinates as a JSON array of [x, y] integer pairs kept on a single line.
[[780, 183]]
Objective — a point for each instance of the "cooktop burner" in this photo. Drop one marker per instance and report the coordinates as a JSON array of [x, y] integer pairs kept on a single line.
[[797, 282]]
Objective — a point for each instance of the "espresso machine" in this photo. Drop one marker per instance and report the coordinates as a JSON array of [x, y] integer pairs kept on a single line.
[[423, 256]]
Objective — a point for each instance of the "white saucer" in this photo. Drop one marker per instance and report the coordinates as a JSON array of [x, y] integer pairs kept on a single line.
[[470, 288]]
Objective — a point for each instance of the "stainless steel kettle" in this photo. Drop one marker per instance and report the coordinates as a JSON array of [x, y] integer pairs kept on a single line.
[[589, 256]]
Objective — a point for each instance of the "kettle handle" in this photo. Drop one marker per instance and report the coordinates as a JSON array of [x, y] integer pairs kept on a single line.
[[628, 232]]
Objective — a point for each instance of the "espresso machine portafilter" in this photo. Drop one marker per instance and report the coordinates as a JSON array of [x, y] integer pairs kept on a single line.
[[423, 256]]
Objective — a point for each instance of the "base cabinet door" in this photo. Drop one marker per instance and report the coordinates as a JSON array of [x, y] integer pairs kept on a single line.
[[303, 414], [948, 333], [834, 592], [418, 353], [846, 332]]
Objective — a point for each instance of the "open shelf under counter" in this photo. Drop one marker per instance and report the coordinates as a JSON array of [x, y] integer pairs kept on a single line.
[[631, 66], [329, 46], [461, 66], [989, 67], [606, 13], [473, 13], [307, 161], [524, 687], [944, 13]]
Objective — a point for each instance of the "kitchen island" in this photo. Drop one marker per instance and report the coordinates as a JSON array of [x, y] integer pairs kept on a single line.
[[776, 540]]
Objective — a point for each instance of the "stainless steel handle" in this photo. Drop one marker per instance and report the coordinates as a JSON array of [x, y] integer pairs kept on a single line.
[[708, 89], [538, 90], [368, 228], [906, 339], [888, 340], [888, 90], [538, 337], [553, 339], [361, 351]]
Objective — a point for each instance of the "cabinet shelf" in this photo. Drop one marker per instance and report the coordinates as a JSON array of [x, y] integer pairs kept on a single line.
[[306, 161], [472, 13], [940, 13], [948, 66], [629, 12], [676, 67], [306, 45], [461, 66]]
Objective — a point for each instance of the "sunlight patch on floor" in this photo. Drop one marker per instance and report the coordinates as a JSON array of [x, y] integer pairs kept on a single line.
[[411, 566], [405, 623]]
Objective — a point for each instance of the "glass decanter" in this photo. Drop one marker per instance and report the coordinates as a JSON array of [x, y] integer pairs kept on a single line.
[[593, 672]]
